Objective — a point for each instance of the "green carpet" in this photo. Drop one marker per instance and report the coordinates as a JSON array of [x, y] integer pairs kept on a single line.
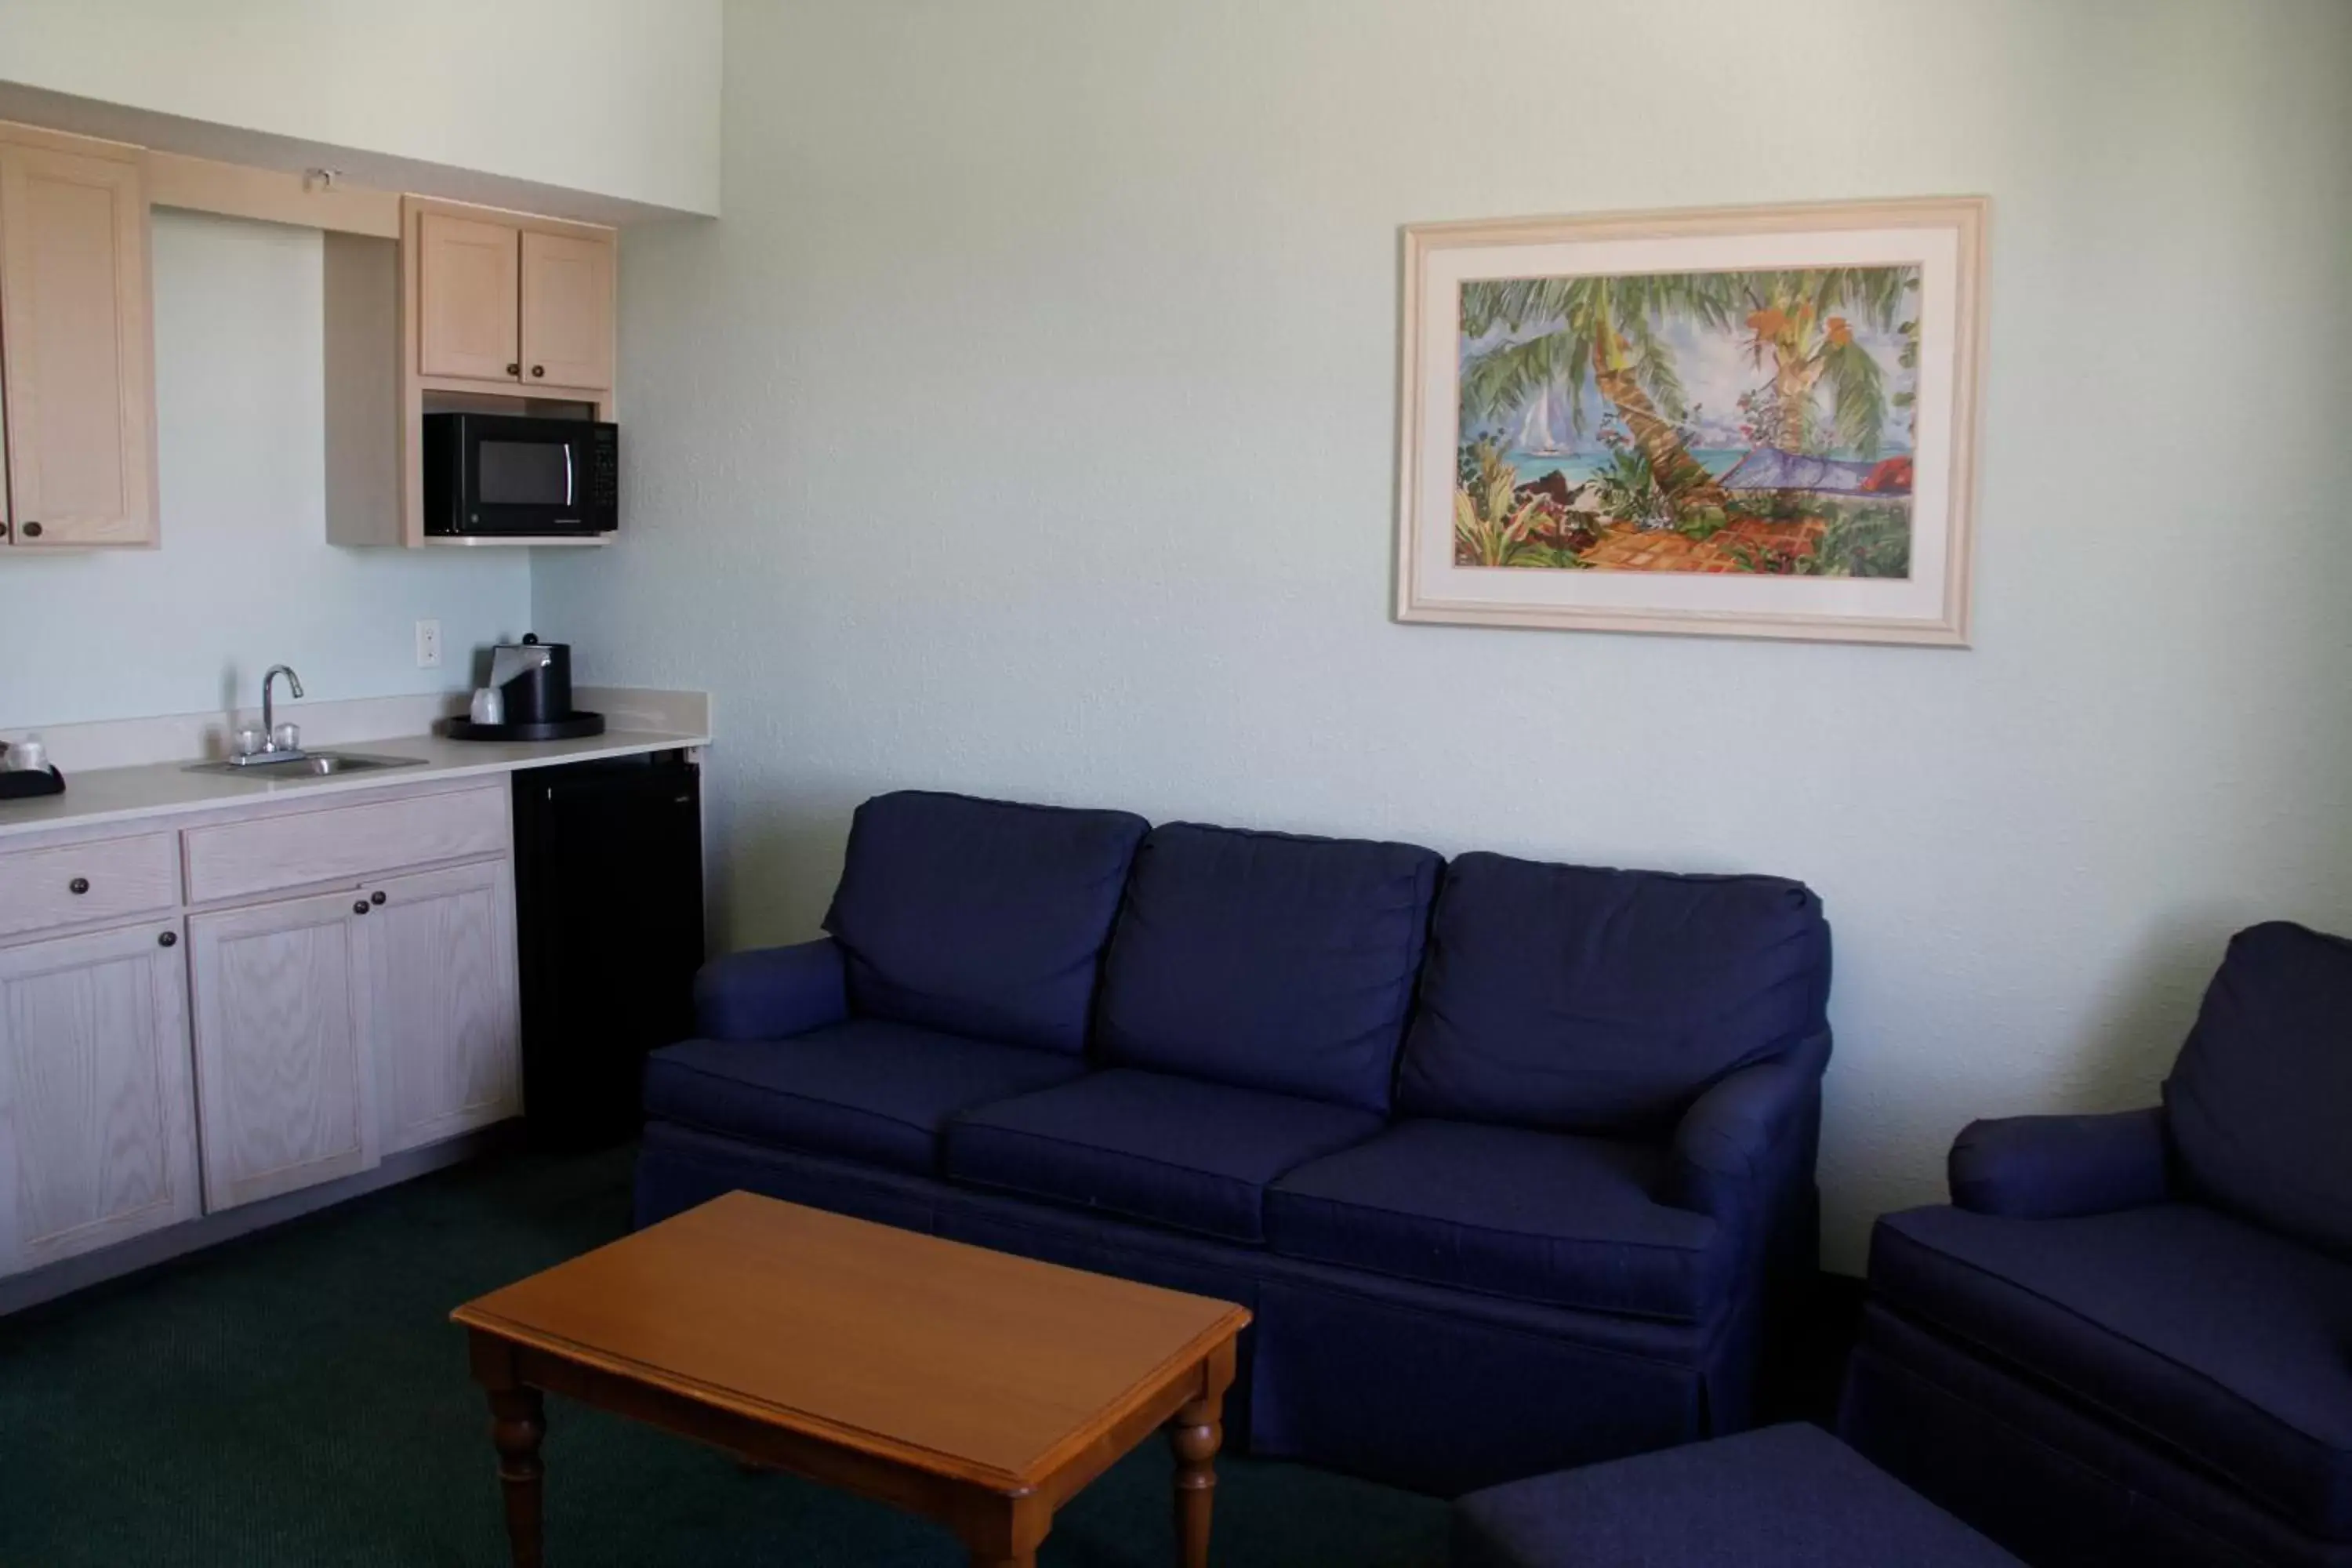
[[298, 1399]]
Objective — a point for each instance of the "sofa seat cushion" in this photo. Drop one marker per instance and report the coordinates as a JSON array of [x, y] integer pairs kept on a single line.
[[1592, 1000], [1150, 1146], [2228, 1345], [1786, 1496], [1267, 960], [982, 917], [867, 1089], [1538, 1216]]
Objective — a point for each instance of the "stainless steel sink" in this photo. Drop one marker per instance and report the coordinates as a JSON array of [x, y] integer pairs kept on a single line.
[[302, 765]]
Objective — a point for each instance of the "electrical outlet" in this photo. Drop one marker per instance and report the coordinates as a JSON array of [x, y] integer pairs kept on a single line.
[[428, 645]]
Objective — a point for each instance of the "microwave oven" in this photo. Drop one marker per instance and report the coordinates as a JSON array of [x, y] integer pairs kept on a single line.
[[504, 476]]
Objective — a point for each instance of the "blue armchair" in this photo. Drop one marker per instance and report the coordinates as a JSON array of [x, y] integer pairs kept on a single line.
[[2128, 1339]]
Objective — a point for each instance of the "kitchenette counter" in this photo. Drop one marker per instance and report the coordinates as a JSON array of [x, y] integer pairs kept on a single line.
[[166, 789], [98, 796]]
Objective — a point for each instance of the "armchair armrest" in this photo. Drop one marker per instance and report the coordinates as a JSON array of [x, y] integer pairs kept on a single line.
[[2049, 1167], [1723, 1148], [770, 993]]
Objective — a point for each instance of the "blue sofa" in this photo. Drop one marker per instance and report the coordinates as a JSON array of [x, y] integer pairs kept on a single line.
[[2128, 1340], [1513, 1163]]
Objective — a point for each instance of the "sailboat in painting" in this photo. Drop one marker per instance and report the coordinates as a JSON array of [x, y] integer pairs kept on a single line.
[[1544, 430]]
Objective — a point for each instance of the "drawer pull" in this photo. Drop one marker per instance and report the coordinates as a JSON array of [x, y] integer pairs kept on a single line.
[[169, 939], [79, 885], [359, 906], [376, 897]]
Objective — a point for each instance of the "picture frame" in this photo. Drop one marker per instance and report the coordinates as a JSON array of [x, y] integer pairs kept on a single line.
[[1754, 422]]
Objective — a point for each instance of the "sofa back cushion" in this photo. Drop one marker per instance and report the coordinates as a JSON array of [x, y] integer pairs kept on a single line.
[[1589, 1000], [1267, 960], [2256, 1104], [980, 916]]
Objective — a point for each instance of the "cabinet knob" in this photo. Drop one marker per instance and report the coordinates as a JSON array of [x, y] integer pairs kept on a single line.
[[32, 530], [359, 906], [78, 885], [169, 939], [514, 370], [539, 369], [376, 897]]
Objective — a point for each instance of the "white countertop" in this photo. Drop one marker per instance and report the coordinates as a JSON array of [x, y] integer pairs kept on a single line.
[[99, 795]]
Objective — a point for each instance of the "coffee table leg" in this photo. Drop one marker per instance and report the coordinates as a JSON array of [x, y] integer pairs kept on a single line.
[[517, 1423], [1196, 1434]]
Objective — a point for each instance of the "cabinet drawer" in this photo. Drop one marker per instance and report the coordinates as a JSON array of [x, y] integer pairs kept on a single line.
[[114, 876], [342, 842]]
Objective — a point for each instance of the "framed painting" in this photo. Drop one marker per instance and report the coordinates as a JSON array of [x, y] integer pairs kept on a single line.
[[1745, 421]]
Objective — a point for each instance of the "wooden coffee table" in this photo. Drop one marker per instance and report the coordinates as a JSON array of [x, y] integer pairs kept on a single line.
[[981, 1389]]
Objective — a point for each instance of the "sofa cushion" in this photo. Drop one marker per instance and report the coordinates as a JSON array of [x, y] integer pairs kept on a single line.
[[980, 916], [1267, 960], [865, 1089], [2256, 1102], [1540, 1216], [1786, 1496], [2226, 1345], [1169, 1150], [1594, 1000]]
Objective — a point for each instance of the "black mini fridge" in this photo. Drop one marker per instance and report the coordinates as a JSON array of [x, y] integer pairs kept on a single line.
[[608, 916]]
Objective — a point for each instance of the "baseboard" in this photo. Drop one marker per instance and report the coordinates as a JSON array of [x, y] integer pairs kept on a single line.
[[63, 1277]]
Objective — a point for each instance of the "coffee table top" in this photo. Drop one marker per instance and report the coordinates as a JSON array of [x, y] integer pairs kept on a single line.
[[953, 1358]]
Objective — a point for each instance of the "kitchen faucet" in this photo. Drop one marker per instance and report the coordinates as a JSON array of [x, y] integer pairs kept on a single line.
[[268, 709]]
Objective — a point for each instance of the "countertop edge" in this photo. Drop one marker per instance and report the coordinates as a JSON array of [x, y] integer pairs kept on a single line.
[[202, 792]]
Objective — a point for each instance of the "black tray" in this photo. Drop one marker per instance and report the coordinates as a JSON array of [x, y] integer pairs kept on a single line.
[[568, 729], [27, 783]]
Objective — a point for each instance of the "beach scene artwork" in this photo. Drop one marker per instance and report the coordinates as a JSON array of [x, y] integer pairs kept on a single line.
[[1729, 422]]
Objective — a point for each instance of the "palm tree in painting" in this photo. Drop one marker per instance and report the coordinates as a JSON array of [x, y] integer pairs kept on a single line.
[[1607, 328], [1802, 322]]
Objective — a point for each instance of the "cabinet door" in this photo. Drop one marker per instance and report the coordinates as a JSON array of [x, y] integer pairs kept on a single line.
[[285, 1080], [77, 349], [440, 957], [97, 1115], [567, 311], [467, 298]]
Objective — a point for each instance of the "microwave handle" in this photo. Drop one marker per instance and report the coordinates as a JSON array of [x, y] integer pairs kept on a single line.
[[567, 473]]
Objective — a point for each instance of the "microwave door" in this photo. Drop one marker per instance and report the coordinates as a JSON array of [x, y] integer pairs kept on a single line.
[[523, 485]]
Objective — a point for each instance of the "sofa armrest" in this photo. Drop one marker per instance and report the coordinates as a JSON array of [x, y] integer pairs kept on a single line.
[[770, 993], [1723, 1148], [2049, 1167]]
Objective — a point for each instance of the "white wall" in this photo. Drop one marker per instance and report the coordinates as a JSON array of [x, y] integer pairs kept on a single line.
[[614, 97], [1027, 428], [245, 578]]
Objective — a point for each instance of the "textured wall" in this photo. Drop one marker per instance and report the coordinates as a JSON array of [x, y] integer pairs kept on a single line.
[[245, 577], [617, 97], [1027, 428]]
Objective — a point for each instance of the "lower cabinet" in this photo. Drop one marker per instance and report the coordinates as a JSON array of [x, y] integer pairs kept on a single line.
[[97, 1121], [440, 955], [256, 1038], [285, 1075], [334, 1029]]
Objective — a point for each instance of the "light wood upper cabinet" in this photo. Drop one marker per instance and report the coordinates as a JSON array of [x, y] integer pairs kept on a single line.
[[97, 1118], [567, 311], [527, 302], [77, 349], [285, 1069], [467, 286]]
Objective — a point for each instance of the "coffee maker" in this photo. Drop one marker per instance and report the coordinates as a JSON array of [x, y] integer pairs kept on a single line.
[[531, 692]]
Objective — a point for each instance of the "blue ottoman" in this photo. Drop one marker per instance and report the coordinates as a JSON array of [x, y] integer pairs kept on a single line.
[[1787, 1497]]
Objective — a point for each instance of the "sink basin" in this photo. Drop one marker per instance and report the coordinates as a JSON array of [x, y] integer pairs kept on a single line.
[[310, 764]]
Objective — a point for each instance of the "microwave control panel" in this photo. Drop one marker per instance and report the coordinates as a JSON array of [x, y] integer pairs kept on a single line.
[[605, 469]]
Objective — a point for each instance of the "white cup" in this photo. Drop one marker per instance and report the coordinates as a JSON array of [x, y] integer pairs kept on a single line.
[[490, 706]]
